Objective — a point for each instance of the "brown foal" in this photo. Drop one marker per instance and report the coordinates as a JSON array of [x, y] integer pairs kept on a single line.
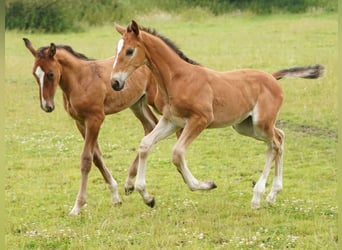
[[88, 97], [196, 98]]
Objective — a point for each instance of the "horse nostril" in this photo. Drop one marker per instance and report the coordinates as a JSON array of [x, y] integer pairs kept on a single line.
[[116, 85], [49, 109]]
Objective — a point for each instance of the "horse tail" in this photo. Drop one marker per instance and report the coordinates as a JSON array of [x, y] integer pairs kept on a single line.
[[309, 72]]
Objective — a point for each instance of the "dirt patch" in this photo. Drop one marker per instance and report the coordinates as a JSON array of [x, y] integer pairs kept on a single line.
[[308, 130]]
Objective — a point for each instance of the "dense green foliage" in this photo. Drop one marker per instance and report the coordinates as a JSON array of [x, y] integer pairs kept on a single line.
[[260, 6], [63, 15], [37, 15]]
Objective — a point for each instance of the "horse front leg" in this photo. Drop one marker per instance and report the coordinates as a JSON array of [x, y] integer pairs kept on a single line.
[[191, 130], [89, 130], [86, 161], [149, 121], [163, 129]]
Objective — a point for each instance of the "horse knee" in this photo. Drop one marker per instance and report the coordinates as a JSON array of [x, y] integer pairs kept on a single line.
[[144, 148]]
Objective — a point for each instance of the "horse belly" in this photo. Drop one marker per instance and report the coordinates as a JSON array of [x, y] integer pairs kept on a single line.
[[226, 120], [229, 113]]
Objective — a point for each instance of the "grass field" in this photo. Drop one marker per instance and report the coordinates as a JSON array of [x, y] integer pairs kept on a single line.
[[42, 150]]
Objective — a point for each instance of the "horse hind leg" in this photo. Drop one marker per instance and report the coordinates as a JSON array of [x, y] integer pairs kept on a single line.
[[277, 185], [274, 153], [111, 182], [260, 186], [274, 138]]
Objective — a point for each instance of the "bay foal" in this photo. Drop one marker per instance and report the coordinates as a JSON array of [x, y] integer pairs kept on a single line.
[[197, 98], [88, 97]]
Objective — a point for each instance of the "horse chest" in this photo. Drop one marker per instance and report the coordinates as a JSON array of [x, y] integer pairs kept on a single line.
[[70, 110], [78, 108]]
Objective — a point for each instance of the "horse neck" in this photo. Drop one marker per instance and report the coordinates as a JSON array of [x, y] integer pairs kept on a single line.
[[162, 60], [71, 69]]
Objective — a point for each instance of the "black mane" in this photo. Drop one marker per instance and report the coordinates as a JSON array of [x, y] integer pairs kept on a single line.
[[170, 44], [67, 48]]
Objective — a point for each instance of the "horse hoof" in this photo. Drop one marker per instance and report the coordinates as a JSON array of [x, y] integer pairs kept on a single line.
[[211, 185], [73, 213], [129, 190], [150, 203], [271, 199], [255, 206], [117, 203]]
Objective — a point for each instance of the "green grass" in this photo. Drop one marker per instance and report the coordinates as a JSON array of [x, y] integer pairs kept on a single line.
[[42, 150]]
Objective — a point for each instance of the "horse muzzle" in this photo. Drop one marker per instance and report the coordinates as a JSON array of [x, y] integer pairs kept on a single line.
[[118, 81], [116, 85], [48, 108]]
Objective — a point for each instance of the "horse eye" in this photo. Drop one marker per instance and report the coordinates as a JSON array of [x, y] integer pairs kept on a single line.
[[129, 52], [50, 75]]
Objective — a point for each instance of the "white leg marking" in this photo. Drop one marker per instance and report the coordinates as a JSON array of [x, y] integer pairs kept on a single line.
[[75, 210], [40, 74], [277, 185], [260, 186], [113, 187], [276, 188], [81, 197], [163, 129], [258, 191]]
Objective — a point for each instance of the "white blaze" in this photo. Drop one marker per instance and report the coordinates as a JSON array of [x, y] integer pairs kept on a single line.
[[40, 74], [118, 50]]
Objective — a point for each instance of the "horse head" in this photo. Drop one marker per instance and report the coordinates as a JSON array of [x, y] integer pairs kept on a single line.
[[47, 72], [130, 55]]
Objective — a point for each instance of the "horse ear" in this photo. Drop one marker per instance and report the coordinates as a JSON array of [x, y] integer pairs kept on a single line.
[[119, 28], [134, 27], [29, 47], [52, 50]]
